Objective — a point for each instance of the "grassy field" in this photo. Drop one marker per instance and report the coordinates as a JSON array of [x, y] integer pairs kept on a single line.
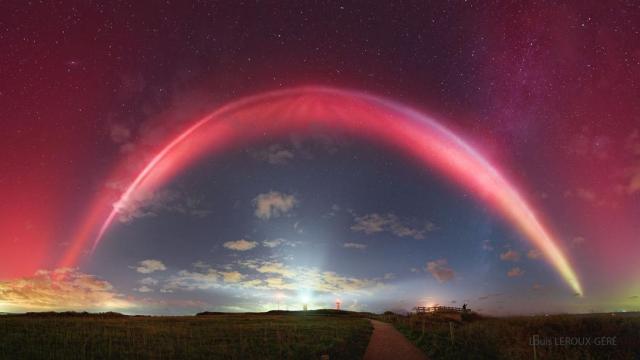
[[241, 336], [559, 337]]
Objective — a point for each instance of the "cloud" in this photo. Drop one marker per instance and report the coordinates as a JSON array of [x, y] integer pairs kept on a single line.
[[510, 255], [146, 285], [148, 281], [313, 278], [352, 245], [634, 182], [487, 246], [440, 270], [240, 245], [187, 280], [270, 267], [232, 276], [275, 154], [278, 283], [376, 223], [269, 275], [148, 266], [68, 289], [534, 254], [122, 135], [144, 289], [515, 272], [200, 265], [273, 243], [335, 209], [585, 194], [61, 289], [119, 133], [370, 224], [273, 204], [537, 287], [255, 283], [145, 204], [329, 281], [278, 242]]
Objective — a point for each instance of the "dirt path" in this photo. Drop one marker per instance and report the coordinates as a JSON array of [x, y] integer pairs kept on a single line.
[[388, 343]]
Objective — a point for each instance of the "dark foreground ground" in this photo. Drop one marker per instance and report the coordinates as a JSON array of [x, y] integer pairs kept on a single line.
[[594, 336], [241, 336], [314, 334]]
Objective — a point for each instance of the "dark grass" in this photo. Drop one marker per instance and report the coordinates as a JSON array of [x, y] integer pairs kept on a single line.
[[222, 336], [510, 338]]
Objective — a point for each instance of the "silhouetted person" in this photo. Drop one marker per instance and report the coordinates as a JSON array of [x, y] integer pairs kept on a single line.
[[464, 307]]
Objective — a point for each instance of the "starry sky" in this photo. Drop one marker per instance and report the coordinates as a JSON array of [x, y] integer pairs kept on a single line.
[[91, 93]]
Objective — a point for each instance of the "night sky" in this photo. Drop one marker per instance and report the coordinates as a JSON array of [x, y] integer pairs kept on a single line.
[[334, 189]]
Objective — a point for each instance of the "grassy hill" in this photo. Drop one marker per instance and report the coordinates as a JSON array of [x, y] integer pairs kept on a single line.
[[294, 335], [588, 336]]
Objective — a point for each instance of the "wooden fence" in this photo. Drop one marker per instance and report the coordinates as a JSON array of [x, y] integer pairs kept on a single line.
[[435, 309]]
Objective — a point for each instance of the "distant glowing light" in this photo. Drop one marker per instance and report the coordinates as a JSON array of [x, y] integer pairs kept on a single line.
[[279, 297], [305, 109], [305, 297]]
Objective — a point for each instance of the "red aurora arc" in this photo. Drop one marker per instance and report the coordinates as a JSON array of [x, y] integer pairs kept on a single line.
[[305, 110]]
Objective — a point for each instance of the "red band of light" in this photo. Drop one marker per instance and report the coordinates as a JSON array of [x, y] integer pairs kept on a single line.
[[304, 109]]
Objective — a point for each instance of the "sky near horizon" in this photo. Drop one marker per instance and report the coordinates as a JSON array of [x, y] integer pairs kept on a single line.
[[546, 93]]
